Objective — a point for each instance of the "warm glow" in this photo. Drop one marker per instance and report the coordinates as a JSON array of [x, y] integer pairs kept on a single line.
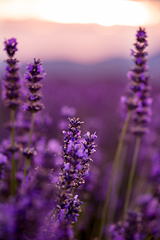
[[103, 12]]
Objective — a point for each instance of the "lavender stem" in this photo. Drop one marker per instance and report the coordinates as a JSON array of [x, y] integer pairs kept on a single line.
[[13, 180], [29, 145], [115, 163], [31, 131], [131, 176], [72, 190], [121, 166]]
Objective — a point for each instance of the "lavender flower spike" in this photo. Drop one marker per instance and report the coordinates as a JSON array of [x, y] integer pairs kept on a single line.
[[76, 154], [11, 98], [141, 85], [34, 75], [11, 85], [142, 114], [11, 46]]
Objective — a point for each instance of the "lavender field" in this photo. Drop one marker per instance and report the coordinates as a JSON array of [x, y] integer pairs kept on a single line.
[[79, 156]]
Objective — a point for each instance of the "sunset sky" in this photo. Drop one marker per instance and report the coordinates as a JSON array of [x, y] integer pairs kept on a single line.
[[103, 12], [78, 30]]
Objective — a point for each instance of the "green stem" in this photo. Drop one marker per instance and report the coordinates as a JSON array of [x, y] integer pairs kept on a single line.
[[121, 166], [131, 176], [72, 190], [31, 131], [115, 163], [13, 171], [13, 129], [25, 169], [13, 179], [29, 145]]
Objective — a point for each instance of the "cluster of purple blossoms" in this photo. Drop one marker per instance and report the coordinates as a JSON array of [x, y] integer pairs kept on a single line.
[[76, 153], [34, 75], [11, 83], [140, 85], [139, 98], [11, 47], [11, 97]]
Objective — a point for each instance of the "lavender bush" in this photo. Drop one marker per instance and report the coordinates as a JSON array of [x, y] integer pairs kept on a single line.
[[50, 188]]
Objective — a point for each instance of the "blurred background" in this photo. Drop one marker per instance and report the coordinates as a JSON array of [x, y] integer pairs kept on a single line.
[[80, 40], [84, 46]]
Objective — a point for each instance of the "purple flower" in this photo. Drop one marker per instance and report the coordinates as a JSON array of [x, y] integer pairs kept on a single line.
[[141, 35], [140, 85], [10, 46], [11, 85], [35, 74], [35, 71], [35, 68], [72, 209], [132, 52], [76, 153]]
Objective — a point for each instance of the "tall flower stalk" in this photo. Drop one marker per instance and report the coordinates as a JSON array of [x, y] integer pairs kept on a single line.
[[141, 87], [34, 75], [11, 97], [132, 103], [76, 154]]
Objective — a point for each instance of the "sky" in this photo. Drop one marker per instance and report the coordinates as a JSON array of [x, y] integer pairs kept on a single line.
[[83, 31], [103, 12]]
